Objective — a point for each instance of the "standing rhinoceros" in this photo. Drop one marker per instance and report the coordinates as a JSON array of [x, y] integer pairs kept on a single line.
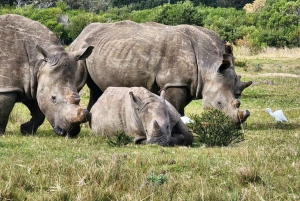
[[137, 111], [36, 70], [188, 62]]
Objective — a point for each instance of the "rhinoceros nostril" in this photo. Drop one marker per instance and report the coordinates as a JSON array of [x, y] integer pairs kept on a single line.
[[73, 98], [236, 103]]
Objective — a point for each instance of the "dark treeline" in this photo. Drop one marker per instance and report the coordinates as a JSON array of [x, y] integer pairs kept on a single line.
[[263, 23]]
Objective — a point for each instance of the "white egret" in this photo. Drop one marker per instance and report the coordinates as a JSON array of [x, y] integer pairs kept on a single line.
[[187, 120], [277, 115]]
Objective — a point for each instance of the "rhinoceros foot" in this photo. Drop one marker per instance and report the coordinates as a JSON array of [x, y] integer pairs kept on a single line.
[[28, 128]]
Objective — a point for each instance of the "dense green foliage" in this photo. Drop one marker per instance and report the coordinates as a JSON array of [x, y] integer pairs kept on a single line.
[[275, 24], [91, 5], [214, 128]]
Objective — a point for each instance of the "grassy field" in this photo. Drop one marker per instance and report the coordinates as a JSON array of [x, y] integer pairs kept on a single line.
[[265, 166]]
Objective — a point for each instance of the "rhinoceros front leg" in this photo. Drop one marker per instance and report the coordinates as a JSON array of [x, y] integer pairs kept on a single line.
[[36, 120], [95, 92], [177, 96], [179, 130], [7, 102]]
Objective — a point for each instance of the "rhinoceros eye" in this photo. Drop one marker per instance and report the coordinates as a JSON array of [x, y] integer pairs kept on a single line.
[[53, 99], [219, 104]]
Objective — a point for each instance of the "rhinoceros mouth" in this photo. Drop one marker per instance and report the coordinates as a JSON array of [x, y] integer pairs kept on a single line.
[[59, 131]]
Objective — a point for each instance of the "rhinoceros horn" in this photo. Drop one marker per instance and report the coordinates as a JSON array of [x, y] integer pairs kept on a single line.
[[156, 125]]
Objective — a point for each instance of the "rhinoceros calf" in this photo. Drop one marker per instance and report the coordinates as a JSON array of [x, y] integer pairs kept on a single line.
[[137, 111], [36, 70], [189, 62]]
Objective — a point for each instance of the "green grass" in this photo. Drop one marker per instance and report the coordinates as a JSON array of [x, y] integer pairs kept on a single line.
[[265, 166]]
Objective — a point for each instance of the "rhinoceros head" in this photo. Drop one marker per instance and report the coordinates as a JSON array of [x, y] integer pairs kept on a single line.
[[219, 90], [56, 92], [155, 120]]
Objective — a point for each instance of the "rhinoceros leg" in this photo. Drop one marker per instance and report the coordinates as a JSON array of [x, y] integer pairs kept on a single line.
[[177, 96], [36, 120], [181, 129], [95, 92], [7, 102]]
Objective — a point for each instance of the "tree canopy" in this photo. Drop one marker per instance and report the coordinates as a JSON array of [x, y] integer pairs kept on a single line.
[[261, 23]]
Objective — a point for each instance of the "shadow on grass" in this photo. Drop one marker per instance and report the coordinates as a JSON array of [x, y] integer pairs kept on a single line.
[[268, 126]]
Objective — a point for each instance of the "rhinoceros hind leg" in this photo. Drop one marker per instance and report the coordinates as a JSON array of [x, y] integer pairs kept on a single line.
[[36, 120], [177, 96], [7, 102]]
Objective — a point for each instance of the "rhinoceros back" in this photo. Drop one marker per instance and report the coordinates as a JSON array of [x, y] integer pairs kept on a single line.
[[150, 55], [18, 55]]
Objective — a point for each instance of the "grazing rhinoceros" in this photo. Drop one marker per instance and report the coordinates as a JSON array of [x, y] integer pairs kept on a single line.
[[36, 70], [188, 62], [137, 111]]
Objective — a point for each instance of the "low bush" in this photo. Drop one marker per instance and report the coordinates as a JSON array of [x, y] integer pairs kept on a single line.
[[214, 128]]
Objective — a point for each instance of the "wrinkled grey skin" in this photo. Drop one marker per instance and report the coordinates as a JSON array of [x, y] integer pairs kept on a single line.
[[36, 70], [137, 111], [189, 62]]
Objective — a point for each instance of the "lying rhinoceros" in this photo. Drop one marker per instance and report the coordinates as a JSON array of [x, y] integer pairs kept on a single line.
[[137, 111], [36, 70], [188, 62]]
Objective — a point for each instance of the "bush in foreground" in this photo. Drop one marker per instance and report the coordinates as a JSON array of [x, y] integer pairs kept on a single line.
[[214, 128]]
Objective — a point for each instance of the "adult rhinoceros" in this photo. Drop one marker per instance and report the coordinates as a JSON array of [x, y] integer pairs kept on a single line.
[[188, 62], [36, 70], [137, 111]]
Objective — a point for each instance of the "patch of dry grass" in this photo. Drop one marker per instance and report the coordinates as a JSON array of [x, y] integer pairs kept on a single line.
[[268, 53]]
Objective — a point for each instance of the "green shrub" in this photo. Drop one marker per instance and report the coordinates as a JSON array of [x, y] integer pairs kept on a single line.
[[156, 179], [119, 139], [257, 67], [214, 128], [240, 63]]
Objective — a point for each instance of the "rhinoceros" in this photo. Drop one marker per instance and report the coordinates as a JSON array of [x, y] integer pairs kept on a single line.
[[137, 111], [36, 70], [188, 62]]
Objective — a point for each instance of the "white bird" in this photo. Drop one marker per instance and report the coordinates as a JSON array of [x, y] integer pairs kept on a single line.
[[187, 120], [278, 115]]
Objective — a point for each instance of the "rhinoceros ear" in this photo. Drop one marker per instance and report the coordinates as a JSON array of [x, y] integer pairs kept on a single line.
[[225, 64], [41, 51], [228, 49], [137, 102], [83, 53], [230, 58]]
